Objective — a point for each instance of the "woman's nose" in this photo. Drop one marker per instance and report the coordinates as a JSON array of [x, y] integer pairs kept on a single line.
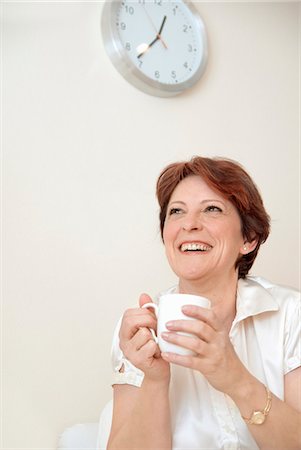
[[192, 222]]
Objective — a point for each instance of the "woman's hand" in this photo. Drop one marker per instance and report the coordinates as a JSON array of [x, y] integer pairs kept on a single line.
[[138, 345], [214, 356]]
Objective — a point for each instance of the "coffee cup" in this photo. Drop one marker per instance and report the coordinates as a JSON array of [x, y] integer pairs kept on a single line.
[[170, 308]]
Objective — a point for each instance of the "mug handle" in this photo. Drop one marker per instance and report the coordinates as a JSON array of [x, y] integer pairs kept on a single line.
[[155, 307]]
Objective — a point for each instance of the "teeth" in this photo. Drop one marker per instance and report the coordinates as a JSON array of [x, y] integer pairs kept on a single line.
[[193, 246]]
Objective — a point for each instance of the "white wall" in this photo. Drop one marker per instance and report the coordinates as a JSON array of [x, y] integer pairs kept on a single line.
[[81, 150]]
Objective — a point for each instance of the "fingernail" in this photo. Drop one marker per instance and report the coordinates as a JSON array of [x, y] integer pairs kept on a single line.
[[165, 335], [169, 324]]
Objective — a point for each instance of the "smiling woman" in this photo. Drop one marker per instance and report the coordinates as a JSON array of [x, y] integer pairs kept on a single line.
[[232, 184], [239, 385]]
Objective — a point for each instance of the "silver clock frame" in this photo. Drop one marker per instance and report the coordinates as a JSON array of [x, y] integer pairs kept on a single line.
[[125, 66]]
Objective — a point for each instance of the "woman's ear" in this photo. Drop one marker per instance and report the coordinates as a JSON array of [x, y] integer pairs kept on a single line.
[[248, 247]]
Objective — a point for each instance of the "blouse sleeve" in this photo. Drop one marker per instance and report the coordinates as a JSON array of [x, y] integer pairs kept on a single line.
[[292, 342], [124, 372]]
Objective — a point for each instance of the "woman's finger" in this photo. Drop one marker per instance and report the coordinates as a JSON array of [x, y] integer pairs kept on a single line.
[[142, 336], [193, 343], [148, 350], [142, 358], [133, 321], [181, 360], [204, 314], [196, 327]]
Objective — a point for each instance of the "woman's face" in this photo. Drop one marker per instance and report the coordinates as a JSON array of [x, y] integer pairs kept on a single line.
[[202, 232]]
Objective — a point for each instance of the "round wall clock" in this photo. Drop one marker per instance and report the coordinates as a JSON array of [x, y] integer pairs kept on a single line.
[[159, 46]]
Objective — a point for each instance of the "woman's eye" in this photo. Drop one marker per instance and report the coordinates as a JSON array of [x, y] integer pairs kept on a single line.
[[175, 211], [213, 208]]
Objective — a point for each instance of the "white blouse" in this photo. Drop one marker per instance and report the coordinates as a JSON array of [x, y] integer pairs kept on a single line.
[[266, 336]]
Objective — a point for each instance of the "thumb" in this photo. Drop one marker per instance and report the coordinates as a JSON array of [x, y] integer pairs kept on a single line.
[[144, 298]]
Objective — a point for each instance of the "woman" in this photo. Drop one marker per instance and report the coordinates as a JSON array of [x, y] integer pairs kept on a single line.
[[242, 388]]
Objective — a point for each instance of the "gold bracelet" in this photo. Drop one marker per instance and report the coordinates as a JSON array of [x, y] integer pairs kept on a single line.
[[258, 417]]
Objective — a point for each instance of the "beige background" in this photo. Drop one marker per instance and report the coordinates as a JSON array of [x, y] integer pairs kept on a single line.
[[81, 150]]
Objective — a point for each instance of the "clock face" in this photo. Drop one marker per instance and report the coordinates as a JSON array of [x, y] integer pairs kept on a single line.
[[158, 45]]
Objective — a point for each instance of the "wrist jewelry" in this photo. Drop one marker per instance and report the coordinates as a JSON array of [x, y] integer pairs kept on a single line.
[[258, 417]]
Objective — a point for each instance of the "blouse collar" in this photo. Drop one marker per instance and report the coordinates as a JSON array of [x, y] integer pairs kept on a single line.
[[253, 298]]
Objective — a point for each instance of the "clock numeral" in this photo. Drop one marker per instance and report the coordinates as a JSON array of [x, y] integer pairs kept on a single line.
[[185, 28], [140, 63], [123, 26], [185, 65], [189, 48], [173, 74], [129, 9], [128, 46], [158, 2], [175, 10], [142, 2], [157, 74]]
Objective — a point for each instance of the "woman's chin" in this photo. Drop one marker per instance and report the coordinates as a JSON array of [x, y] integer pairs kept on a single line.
[[191, 275]]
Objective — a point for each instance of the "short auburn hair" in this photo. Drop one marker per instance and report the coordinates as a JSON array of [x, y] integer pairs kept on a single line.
[[231, 180]]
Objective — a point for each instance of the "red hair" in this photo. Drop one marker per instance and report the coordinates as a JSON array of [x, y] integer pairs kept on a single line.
[[229, 179]]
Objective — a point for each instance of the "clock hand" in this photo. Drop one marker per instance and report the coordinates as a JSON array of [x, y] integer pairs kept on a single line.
[[153, 42], [162, 26], [160, 31], [148, 46], [154, 26], [157, 38]]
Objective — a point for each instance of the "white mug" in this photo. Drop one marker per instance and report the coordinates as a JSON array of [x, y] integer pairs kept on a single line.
[[170, 308]]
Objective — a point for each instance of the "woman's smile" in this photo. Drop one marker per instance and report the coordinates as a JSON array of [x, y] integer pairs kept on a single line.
[[194, 247]]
